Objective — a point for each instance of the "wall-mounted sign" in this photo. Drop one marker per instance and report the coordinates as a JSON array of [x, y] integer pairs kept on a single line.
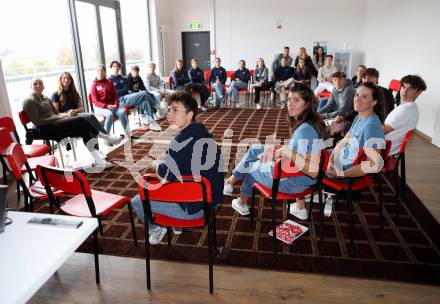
[[195, 26]]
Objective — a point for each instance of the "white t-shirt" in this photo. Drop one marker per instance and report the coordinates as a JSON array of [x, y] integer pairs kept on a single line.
[[401, 119]]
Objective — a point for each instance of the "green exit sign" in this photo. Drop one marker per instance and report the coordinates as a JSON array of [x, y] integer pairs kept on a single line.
[[195, 26]]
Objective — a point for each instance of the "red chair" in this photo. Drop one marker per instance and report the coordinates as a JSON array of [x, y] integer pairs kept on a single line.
[[192, 190], [325, 94], [392, 165], [394, 85], [351, 184], [86, 202], [30, 150], [18, 164], [286, 169]]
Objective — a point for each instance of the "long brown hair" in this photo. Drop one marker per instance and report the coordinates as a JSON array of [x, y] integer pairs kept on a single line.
[[379, 107], [179, 72], [309, 115], [71, 89]]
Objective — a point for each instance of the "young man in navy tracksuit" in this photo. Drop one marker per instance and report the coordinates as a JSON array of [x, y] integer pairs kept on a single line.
[[192, 151], [197, 82], [283, 80], [240, 81], [218, 80]]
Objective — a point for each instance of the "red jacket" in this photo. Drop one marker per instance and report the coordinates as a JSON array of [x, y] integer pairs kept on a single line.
[[103, 93]]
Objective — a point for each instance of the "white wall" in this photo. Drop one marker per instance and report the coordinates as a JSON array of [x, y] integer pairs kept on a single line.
[[401, 37], [246, 29], [5, 108]]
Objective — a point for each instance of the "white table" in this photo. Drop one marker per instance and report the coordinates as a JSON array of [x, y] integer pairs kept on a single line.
[[31, 253]]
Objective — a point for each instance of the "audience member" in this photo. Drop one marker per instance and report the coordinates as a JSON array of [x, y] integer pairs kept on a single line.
[[372, 75], [319, 58], [180, 77], [283, 80], [197, 82], [135, 82], [325, 75], [360, 72], [261, 81], [303, 148], [302, 53], [217, 78], [179, 161], [241, 79], [302, 73], [67, 100], [405, 116], [277, 61]]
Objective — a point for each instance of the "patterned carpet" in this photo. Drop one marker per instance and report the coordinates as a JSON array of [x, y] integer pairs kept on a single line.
[[407, 250]]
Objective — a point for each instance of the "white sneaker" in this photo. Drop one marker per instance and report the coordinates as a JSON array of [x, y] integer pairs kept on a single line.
[[228, 189], [328, 206], [211, 101], [157, 234], [177, 230], [299, 213], [258, 106], [203, 109], [237, 206], [154, 126], [113, 140], [283, 105], [155, 116], [237, 105]]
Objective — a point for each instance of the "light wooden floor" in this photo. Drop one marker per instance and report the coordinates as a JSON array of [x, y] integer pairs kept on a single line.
[[423, 172], [123, 281]]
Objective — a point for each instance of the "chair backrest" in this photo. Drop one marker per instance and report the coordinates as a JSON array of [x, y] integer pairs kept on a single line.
[[89, 98], [16, 159], [73, 182], [192, 190], [287, 168], [5, 139], [8, 123], [405, 141], [24, 119], [207, 74], [394, 85], [230, 75]]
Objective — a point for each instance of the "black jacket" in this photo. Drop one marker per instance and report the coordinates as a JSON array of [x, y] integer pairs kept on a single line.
[[187, 155]]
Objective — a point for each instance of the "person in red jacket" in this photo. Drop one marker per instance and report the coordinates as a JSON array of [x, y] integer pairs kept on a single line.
[[103, 95]]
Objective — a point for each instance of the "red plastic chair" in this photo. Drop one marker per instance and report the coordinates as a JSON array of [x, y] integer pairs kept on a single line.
[[30, 150], [286, 169], [86, 202], [325, 94], [392, 165], [31, 133], [394, 85], [355, 184], [18, 164], [191, 190]]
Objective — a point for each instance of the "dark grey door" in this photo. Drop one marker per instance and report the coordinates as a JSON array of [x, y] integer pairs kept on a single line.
[[196, 45]]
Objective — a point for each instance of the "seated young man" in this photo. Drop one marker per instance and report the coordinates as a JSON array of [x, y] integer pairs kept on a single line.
[[404, 117], [190, 153]]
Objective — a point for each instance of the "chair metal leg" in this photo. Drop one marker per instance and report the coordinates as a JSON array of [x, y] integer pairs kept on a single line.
[[133, 228], [214, 227], [403, 176], [380, 200], [396, 189], [274, 229], [96, 253], [169, 236], [210, 257], [309, 213], [18, 192], [350, 212], [61, 154], [101, 230], [26, 203], [251, 222], [5, 180], [147, 253], [321, 217], [72, 144]]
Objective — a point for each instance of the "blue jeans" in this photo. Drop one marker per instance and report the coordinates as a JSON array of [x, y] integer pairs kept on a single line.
[[219, 91], [140, 100], [156, 95], [251, 170], [119, 112], [169, 209], [234, 87]]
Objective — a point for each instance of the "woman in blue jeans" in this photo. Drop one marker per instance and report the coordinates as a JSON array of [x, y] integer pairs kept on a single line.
[[257, 165]]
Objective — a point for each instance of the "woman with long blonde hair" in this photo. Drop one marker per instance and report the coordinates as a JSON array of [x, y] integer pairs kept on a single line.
[[302, 53]]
